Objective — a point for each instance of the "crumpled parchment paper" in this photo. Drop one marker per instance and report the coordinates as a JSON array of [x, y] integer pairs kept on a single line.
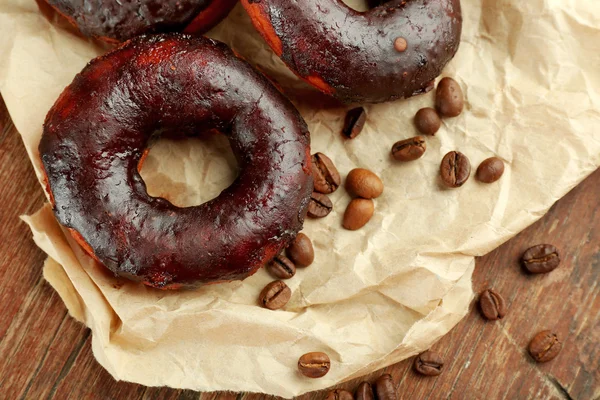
[[530, 71]]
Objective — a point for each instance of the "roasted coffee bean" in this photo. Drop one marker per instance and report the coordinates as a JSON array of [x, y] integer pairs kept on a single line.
[[490, 170], [364, 392], [540, 259], [429, 363], [427, 121], [301, 251], [354, 123], [275, 295], [281, 267], [492, 305], [449, 100], [544, 346], [319, 205], [364, 183], [314, 365], [385, 389], [409, 149], [325, 174], [358, 213], [455, 169], [339, 394]]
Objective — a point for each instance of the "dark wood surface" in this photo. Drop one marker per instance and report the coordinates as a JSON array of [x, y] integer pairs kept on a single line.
[[46, 354]]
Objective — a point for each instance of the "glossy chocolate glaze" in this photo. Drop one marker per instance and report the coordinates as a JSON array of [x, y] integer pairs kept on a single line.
[[351, 55], [124, 19], [176, 85]]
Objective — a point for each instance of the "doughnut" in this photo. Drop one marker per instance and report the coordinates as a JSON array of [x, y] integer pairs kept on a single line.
[[116, 21], [394, 50], [175, 85]]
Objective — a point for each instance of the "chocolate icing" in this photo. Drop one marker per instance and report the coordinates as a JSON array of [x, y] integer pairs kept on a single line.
[[351, 55], [124, 19], [175, 85]]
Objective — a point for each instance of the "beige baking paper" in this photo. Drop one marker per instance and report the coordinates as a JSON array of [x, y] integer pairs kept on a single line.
[[530, 71]]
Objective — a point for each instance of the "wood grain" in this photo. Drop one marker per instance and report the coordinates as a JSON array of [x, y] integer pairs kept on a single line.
[[45, 354]]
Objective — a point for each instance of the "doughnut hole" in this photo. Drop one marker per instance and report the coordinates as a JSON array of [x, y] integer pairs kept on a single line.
[[191, 171]]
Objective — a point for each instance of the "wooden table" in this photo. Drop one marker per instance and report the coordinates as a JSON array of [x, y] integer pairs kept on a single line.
[[46, 354]]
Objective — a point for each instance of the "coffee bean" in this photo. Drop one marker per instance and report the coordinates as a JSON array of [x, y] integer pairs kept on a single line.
[[281, 267], [490, 170], [314, 365], [492, 305], [358, 213], [364, 392], [385, 389], [354, 123], [427, 121], [455, 169], [339, 394], [319, 205], [449, 100], [301, 251], [325, 174], [275, 295], [544, 346], [429, 363], [409, 149], [363, 183], [540, 259]]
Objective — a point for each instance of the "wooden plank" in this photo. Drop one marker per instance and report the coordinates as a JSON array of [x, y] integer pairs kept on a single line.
[[83, 378], [20, 263], [31, 311], [46, 354], [53, 366]]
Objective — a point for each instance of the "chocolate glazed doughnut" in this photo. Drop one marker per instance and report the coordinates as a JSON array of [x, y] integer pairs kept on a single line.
[[175, 85], [392, 51], [115, 21]]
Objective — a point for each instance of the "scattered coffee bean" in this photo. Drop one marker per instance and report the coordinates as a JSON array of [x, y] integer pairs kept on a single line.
[[385, 389], [275, 295], [281, 267], [339, 394], [364, 392], [314, 365], [325, 174], [540, 259], [449, 100], [429, 363], [492, 305], [455, 169], [490, 170], [319, 206], [301, 251], [427, 121], [544, 346], [409, 149], [358, 213], [354, 123], [364, 183]]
